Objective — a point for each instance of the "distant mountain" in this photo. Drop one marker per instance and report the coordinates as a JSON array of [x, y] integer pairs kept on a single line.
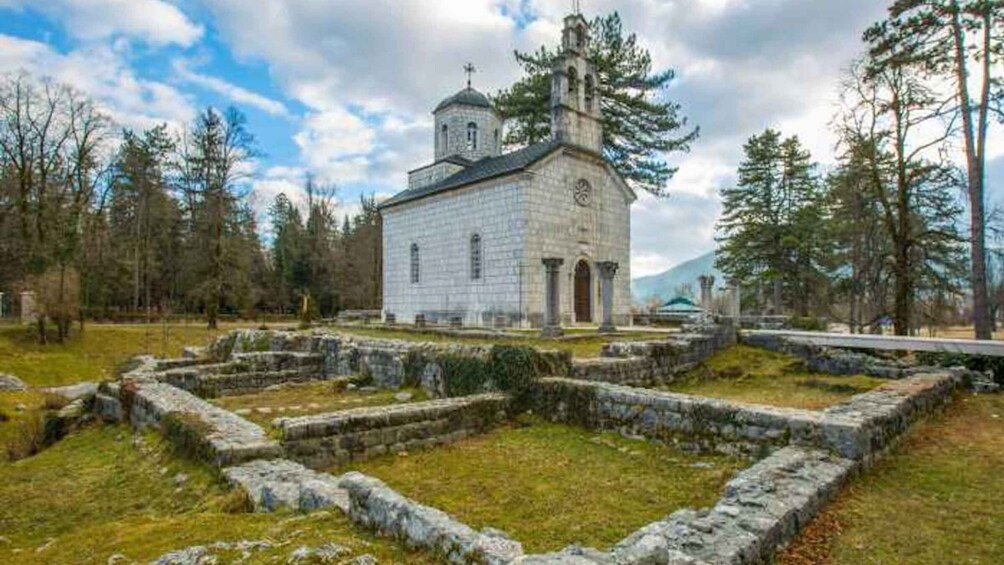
[[665, 284]]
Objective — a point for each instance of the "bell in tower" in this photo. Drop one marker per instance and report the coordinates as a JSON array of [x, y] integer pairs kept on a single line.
[[575, 97]]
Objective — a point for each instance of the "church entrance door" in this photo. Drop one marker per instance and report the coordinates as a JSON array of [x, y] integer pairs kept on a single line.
[[583, 293]]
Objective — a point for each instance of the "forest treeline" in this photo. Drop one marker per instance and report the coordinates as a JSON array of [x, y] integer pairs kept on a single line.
[[98, 221], [883, 236]]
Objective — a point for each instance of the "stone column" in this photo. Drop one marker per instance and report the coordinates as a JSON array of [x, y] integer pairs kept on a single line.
[[552, 298], [735, 306], [607, 271], [707, 283]]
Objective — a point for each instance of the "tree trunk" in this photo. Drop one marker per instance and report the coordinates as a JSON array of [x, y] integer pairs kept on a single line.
[[974, 174]]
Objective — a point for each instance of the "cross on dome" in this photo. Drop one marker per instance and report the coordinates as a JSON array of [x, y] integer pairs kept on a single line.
[[470, 70]]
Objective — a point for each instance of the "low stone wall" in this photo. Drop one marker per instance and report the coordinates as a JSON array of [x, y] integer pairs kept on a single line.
[[840, 361], [855, 429], [326, 440], [244, 373], [227, 438], [374, 505], [833, 361], [277, 484], [388, 363], [650, 363], [763, 508]]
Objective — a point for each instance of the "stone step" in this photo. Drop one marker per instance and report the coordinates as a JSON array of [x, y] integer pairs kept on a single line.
[[279, 483]]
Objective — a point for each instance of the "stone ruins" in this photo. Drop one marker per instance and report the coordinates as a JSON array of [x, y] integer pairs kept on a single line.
[[801, 458]]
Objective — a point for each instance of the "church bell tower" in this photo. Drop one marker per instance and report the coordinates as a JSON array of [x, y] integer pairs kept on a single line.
[[575, 95]]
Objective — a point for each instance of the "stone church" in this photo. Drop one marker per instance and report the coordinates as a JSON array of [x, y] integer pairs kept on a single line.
[[490, 237]]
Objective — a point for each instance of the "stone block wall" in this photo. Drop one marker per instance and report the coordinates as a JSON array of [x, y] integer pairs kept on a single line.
[[442, 227], [332, 439], [374, 505], [857, 429], [243, 373], [652, 363], [392, 363], [228, 439]]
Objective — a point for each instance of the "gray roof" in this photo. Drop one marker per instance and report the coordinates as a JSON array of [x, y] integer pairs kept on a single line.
[[467, 96], [489, 167]]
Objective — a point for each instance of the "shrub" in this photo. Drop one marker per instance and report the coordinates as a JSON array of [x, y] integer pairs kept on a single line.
[[29, 439], [972, 362], [54, 402], [506, 368], [237, 501], [187, 434], [127, 395], [809, 324], [4, 417]]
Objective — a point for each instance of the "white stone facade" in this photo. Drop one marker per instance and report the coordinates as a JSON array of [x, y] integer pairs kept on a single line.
[[456, 118], [521, 219]]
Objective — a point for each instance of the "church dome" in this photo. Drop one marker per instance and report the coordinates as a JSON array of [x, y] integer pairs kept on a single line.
[[468, 97]]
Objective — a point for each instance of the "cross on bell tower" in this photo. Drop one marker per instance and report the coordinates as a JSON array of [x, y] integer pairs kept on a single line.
[[470, 70]]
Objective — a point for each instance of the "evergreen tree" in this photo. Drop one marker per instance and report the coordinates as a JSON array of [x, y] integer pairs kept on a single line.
[[640, 124], [219, 148], [143, 216], [771, 231]]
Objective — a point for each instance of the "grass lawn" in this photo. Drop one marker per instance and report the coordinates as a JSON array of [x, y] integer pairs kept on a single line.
[[550, 485], [936, 499], [306, 399], [95, 494], [95, 353], [750, 374], [580, 343]]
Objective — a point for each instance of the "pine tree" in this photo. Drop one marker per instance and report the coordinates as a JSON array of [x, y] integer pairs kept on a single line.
[[640, 125], [219, 148], [770, 232], [143, 215]]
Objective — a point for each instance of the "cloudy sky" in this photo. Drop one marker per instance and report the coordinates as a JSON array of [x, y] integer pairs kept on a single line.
[[344, 88]]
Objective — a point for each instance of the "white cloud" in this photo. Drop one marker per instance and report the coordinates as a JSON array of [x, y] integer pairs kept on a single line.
[[335, 144], [235, 93], [151, 21], [102, 74]]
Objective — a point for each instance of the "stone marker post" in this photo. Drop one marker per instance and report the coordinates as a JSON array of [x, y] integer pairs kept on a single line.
[[28, 315], [552, 320], [607, 271], [735, 306]]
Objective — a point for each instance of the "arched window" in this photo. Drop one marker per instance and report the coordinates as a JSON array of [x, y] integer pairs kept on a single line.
[[580, 37], [444, 138], [414, 264], [476, 257], [590, 91], [573, 80], [496, 139], [472, 136]]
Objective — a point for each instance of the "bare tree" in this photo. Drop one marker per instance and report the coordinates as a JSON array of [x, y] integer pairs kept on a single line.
[[961, 41]]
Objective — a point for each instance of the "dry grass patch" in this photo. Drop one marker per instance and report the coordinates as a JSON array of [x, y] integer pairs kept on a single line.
[[550, 485], [759, 376], [935, 500], [309, 398], [93, 354], [95, 494]]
